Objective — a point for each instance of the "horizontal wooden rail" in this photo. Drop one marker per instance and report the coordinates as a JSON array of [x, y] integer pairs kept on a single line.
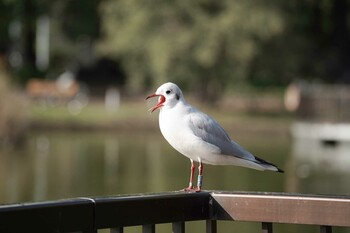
[[282, 208], [90, 214]]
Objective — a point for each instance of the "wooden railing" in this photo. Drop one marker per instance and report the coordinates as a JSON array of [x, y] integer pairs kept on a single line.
[[90, 214]]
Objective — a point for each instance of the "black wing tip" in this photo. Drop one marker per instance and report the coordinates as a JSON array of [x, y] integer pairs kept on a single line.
[[268, 163], [279, 170]]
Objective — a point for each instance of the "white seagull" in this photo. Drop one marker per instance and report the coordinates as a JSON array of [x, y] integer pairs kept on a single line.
[[198, 136]]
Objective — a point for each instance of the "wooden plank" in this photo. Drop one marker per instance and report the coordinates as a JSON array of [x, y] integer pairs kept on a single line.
[[178, 227], [294, 209], [152, 208]]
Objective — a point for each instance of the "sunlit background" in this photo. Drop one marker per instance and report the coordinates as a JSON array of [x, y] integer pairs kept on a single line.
[[74, 75]]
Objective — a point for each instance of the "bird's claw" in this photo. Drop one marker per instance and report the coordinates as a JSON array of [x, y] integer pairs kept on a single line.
[[192, 190]]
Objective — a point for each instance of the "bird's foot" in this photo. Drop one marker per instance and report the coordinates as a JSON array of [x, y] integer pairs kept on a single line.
[[192, 189]]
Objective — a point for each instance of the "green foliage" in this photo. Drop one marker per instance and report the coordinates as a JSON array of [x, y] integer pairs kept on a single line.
[[210, 42], [5, 15], [81, 20], [314, 45], [207, 46]]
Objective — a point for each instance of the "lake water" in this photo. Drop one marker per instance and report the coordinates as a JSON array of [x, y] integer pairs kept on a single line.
[[65, 164]]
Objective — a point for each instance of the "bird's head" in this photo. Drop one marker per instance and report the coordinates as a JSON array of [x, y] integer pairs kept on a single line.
[[169, 94]]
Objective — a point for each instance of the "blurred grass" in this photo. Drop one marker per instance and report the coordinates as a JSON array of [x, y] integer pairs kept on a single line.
[[93, 115], [134, 114]]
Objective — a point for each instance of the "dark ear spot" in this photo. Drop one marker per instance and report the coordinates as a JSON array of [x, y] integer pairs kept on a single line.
[[177, 96]]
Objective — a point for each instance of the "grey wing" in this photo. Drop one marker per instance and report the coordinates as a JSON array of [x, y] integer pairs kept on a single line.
[[205, 127]]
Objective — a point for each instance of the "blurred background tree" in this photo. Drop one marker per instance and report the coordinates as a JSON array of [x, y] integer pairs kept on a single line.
[[314, 45], [72, 29], [206, 46]]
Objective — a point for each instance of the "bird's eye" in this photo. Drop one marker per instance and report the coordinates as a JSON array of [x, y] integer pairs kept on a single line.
[[168, 92]]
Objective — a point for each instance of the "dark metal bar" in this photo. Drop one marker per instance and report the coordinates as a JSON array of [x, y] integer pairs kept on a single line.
[[266, 227], [54, 216], [155, 208], [149, 228], [211, 226], [178, 227], [325, 229], [117, 230]]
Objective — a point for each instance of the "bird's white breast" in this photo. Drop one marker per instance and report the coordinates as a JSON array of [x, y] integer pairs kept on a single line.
[[174, 125]]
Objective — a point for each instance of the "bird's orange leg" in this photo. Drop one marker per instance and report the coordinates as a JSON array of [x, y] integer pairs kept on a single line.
[[200, 177], [190, 185]]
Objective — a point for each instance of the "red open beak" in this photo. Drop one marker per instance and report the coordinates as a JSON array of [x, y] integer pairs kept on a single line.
[[161, 100]]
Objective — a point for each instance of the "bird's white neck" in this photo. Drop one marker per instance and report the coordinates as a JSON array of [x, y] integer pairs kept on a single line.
[[175, 108]]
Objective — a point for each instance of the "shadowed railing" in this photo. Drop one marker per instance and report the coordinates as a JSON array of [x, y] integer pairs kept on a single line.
[[115, 213]]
